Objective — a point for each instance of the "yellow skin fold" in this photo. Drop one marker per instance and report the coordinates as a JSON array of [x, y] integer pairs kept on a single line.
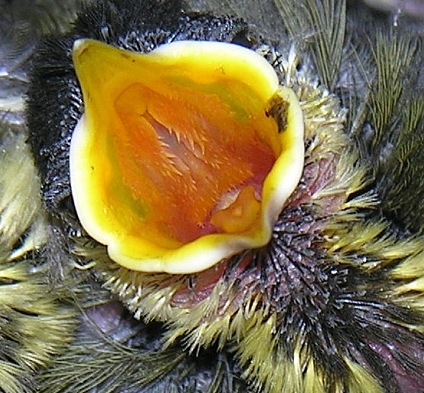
[[178, 161]]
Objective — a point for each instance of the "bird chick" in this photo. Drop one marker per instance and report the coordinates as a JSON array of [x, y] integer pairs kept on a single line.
[[332, 300]]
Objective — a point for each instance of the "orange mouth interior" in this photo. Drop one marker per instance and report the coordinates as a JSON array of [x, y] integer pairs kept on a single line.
[[195, 172], [174, 152]]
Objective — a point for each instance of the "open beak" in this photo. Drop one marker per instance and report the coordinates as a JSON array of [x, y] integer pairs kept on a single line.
[[184, 155]]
